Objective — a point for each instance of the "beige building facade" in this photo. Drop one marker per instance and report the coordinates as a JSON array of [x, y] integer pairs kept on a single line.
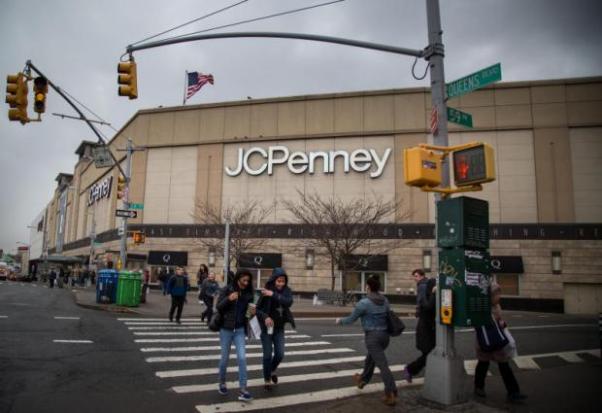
[[545, 205]]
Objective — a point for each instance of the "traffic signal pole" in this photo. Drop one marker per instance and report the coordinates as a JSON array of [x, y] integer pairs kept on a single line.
[[126, 204], [445, 378]]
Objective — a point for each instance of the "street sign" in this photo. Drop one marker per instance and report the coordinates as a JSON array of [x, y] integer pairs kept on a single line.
[[459, 117], [474, 81], [136, 206], [126, 213], [102, 157]]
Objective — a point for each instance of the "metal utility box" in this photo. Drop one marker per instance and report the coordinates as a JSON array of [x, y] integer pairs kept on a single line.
[[467, 273], [463, 222], [421, 167]]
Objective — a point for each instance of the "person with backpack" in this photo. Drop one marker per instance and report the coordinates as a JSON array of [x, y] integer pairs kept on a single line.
[[233, 307], [273, 312], [374, 311], [426, 289], [499, 354], [209, 289], [177, 287]]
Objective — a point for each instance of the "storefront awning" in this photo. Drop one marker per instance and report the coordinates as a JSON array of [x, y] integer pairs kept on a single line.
[[507, 264], [260, 260]]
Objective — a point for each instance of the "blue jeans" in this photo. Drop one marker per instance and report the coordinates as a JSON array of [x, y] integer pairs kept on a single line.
[[270, 363], [226, 337]]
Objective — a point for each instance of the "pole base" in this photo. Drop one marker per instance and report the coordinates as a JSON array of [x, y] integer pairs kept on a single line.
[[445, 379]]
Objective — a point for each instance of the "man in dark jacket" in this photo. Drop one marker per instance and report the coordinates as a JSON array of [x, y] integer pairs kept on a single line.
[[273, 312], [233, 305], [425, 328], [177, 286], [209, 289]]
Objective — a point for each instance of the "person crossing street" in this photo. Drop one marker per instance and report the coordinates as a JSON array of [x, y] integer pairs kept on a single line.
[[177, 287]]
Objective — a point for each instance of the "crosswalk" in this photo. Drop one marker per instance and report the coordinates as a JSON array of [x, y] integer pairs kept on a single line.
[[185, 358]]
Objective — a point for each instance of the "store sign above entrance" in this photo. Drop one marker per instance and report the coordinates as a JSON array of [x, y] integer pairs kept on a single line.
[[257, 161], [100, 190]]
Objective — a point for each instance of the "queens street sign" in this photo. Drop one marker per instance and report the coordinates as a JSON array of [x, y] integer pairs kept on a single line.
[[474, 81]]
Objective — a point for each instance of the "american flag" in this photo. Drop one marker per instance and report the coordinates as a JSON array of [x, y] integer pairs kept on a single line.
[[196, 80]]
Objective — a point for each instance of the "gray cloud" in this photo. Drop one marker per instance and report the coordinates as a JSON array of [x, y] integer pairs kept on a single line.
[[78, 44]]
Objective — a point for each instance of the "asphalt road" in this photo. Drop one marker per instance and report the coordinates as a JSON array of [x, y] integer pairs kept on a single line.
[[58, 357]]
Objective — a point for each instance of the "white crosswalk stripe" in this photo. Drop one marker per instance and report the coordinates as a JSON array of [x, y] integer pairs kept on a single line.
[[185, 358]]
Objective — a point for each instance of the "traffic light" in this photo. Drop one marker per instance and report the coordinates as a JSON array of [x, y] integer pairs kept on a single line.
[[138, 237], [422, 167], [40, 89], [473, 165], [127, 79], [120, 187], [16, 97]]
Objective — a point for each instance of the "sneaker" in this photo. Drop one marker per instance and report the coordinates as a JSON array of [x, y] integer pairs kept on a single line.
[[480, 392], [223, 390], [406, 375], [357, 379], [516, 397], [274, 379], [267, 385], [245, 396], [178, 321]]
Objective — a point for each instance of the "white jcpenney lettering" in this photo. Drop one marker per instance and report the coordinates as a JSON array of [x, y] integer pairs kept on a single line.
[[360, 160]]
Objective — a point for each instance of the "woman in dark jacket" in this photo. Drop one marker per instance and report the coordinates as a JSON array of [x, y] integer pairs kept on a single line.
[[273, 312], [232, 303]]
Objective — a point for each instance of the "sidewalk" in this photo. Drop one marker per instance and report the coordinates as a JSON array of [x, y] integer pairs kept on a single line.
[[157, 305]]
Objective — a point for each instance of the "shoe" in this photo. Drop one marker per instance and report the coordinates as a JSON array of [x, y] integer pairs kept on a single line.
[[178, 321], [223, 390], [245, 396], [274, 379], [516, 397], [406, 375], [171, 320], [357, 379], [390, 399], [480, 392], [267, 385]]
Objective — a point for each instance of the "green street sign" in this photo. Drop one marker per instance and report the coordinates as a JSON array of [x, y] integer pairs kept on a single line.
[[474, 81], [459, 117], [136, 206]]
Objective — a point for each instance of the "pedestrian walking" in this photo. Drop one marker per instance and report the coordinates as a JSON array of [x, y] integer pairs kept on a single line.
[[202, 275], [501, 356], [209, 290], [163, 279], [373, 311], [51, 278], [145, 285], [273, 312], [426, 289], [234, 307], [177, 286]]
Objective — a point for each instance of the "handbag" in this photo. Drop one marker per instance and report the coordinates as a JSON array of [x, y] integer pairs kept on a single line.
[[395, 325], [216, 322], [491, 337], [510, 350]]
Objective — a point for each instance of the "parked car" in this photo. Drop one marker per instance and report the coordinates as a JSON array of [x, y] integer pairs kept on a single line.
[[4, 271]]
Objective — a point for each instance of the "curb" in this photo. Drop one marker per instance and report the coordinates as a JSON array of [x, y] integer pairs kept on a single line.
[[112, 308]]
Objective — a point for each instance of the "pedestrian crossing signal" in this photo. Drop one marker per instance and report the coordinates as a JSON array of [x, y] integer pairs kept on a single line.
[[139, 237], [474, 165], [421, 167]]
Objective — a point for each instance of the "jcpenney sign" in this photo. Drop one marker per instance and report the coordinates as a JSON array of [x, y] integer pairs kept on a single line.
[[360, 160], [100, 190]]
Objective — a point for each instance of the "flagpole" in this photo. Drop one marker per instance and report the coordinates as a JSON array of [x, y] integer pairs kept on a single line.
[[185, 87]]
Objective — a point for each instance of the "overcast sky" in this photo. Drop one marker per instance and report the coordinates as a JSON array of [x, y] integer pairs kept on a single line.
[[77, 44]]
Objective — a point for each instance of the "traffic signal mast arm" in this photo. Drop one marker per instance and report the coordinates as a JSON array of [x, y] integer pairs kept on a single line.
[[447, 149], [79, 112]]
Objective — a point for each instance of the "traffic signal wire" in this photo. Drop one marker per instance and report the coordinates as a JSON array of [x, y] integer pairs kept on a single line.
[[269, 16], [213, 13]]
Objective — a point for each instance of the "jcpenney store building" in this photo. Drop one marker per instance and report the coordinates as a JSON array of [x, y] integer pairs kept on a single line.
[[545, 206]]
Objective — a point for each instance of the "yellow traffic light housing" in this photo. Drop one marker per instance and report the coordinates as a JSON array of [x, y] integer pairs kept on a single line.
[[16, 97], [473, 165], [127, 79], [421, 167], [120, 187], [138, 237], [40, 89]]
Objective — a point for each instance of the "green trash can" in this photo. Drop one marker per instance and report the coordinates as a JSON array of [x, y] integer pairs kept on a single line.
[[128, 288]]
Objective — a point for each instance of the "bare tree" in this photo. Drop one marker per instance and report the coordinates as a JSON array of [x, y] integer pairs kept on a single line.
[[242, 218], [345, 227]]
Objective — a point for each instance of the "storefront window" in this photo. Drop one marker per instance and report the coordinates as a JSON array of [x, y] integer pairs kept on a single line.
[[508, 283], [356, 280]]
